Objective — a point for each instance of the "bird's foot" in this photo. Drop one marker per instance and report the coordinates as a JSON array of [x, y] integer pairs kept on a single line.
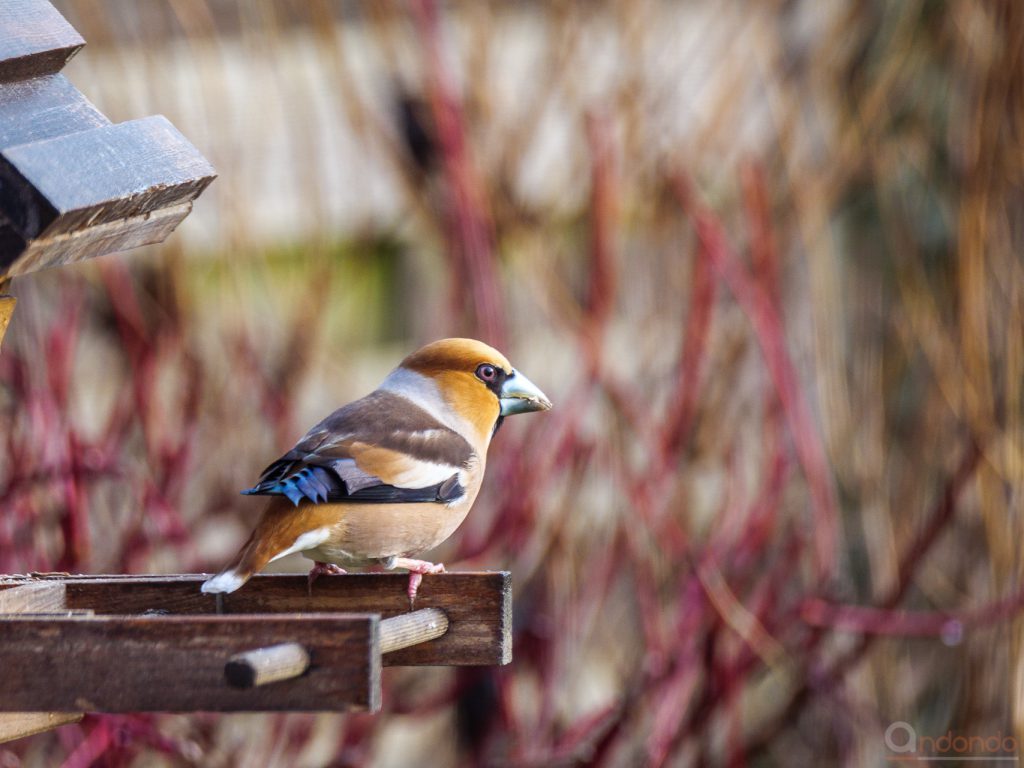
[[321, 568], [416, 569]]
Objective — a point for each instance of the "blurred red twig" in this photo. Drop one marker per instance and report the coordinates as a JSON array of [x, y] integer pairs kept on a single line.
[[868, 620], [768, 328], [821, 678], [600, 299], [471, 239]]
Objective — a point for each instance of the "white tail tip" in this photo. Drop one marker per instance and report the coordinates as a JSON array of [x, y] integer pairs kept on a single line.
[[226, 581]]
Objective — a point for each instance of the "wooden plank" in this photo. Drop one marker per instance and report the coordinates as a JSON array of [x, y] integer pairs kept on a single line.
[[34, 39], [7, 304], [42, 108], [32, 597], [79, 180], [106, 238], [176, 663], [18, 725], [37, 597], [478, 605]]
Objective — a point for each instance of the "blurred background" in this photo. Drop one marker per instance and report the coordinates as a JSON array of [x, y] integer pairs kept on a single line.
[[764, 257]]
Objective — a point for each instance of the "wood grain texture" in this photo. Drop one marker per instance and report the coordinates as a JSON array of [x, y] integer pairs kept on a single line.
[[478, 605], [7, 304], [18, 725], [42, 108], [33, 597], [37, 597], [34, 39], [72, 185], [410, 629], [119, 235], [176, 663], [101, 175]]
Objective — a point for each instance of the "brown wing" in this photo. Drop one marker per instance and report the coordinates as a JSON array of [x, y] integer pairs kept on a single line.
[[382, 448]]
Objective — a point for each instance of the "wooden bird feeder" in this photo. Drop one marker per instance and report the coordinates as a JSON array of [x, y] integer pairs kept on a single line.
[[74, 644], [73, 186]]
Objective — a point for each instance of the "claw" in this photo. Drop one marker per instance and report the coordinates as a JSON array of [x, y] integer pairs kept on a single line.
[[414, 585], [321, 568], [416, 568]]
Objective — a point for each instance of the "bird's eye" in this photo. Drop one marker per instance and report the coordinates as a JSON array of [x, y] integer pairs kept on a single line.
[[487, 372]]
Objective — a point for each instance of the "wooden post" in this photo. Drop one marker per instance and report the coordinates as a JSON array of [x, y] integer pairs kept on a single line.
[[45, 597], [6, 310]]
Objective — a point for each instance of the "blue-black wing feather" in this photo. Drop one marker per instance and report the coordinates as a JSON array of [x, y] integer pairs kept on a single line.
[[319, 484], [320, 469]]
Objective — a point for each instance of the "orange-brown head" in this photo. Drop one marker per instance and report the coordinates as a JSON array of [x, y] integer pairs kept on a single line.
[[476, 382]]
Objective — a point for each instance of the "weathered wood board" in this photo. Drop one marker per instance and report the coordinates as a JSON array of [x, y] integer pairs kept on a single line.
[[34, 40], [156, 643], [72, 185], [32, 598], [18, 725], [44, 108], [118, 235], [176, 663], [101, 175], [478, 605]]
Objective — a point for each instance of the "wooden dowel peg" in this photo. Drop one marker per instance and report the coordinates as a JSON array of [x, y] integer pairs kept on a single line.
[[266, 665], [412, 629]]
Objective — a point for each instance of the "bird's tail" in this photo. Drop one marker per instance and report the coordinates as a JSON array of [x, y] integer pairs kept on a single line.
[[269, 540], [248, 561], [254, 554]]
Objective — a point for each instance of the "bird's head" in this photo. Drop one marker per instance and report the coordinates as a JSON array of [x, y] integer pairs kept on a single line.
[[476, 381]]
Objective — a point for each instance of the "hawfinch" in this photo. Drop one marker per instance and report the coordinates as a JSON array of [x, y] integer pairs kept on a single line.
[[391, 475]]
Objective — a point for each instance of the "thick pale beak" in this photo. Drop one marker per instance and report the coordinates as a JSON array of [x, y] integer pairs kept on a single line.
[[520, 395]]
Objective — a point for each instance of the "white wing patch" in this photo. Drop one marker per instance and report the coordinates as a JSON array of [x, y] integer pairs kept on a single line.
[[308, 540], [420, 474]]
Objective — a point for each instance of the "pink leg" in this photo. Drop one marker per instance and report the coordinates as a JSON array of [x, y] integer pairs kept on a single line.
[[416, 569], [317, 570]]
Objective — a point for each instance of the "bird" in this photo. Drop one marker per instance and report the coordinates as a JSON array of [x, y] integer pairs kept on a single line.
[[390, 475]]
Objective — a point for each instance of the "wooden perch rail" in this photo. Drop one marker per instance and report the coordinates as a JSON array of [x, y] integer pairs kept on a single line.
[[156, 643]]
